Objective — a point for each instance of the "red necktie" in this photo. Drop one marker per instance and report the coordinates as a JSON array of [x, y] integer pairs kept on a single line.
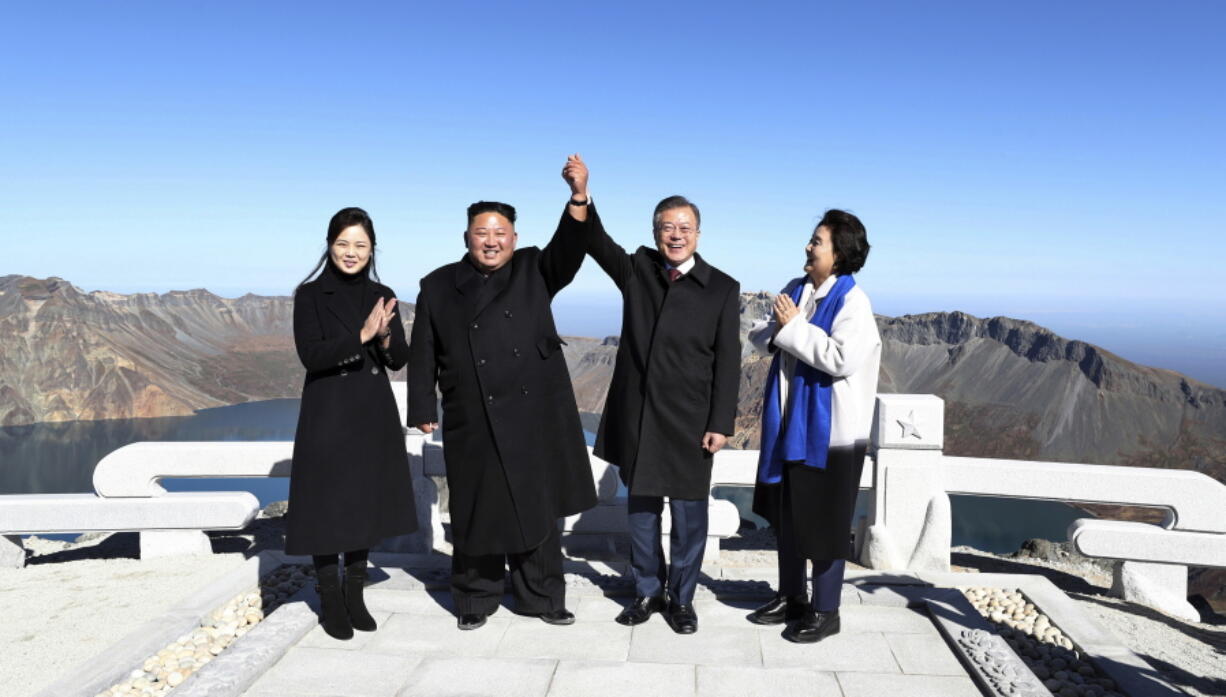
[[674, 274]]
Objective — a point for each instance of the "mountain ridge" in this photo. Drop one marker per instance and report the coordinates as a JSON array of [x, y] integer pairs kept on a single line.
[[1012, 387]]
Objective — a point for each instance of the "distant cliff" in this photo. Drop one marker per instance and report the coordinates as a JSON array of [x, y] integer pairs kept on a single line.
[[1012, 388]]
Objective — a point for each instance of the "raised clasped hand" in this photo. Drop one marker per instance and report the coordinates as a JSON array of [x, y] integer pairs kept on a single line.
[[575, 173]]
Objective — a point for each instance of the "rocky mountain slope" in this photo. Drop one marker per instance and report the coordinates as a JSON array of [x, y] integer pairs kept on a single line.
[[66, 355]]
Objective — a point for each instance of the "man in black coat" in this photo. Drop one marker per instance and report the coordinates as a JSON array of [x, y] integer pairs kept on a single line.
[[516, 459], [672, 402]]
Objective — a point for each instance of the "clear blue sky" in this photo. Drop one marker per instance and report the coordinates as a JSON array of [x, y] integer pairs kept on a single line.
[[1061, 162]]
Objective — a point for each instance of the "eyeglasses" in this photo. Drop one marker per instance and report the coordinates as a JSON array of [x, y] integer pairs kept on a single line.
[[669, 228]]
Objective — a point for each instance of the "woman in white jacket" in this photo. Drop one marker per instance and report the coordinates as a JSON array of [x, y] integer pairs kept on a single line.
[[816, 418]]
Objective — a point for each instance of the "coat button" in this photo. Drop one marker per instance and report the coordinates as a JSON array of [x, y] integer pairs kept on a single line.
[[516, 352], [344, 372], [507, 314], [489, 398], [474, 325], [374, 371], [524, 389], [481, 362]]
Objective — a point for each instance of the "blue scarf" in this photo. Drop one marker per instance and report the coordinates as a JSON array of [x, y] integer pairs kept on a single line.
[[806, 437]]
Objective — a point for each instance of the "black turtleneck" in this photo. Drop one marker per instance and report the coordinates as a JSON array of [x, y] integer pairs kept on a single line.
[[353, 288]]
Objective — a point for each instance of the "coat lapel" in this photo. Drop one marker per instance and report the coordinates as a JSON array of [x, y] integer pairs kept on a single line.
[[478, 290]]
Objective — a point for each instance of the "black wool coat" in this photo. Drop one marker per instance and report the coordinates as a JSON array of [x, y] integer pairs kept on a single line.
[[512, 441], [677, 371], [350, 484]]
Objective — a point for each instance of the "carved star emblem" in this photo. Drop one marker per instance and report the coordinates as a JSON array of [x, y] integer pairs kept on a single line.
[[908, 426]]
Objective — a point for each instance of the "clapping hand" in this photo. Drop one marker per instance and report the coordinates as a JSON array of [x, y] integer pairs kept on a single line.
[[785, 309], [575, 173], [378, 322]]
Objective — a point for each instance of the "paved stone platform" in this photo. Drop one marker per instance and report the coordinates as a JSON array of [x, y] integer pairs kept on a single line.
[[885, 648]]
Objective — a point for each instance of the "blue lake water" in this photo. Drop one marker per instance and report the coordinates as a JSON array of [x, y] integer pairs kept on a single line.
[[60, 458]]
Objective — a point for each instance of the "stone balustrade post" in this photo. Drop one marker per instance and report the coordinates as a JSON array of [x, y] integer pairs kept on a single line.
[[909, 525]]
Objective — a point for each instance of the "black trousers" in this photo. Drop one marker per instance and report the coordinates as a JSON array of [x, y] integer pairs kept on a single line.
[[537, 584]]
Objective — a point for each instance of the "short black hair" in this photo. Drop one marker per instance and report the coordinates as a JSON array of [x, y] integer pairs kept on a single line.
[[504, 209], [849, 238], [674, 202]]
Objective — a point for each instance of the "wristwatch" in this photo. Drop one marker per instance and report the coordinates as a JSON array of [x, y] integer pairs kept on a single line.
[[580, 204]]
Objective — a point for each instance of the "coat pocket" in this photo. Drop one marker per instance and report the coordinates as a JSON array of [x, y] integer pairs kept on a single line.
[[549, 345]]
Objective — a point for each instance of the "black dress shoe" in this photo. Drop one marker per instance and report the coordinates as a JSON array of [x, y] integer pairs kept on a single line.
[[562, 616], [813, 627], [682, 618], [640, 611], [471, 621], [780, 609]]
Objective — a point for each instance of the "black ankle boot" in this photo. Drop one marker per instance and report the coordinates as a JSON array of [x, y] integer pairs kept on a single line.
[[780, 609], [334, 619], [355, 603]]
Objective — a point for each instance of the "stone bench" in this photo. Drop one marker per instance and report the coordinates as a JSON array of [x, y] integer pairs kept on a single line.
[[134, 470], [1154, 559], [168, 524]]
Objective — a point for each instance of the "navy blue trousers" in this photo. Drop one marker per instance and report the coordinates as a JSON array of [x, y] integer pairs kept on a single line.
[[687, 541], [827, 573]]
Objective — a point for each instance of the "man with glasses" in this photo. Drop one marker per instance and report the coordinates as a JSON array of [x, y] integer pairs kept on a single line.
[[672, 402]]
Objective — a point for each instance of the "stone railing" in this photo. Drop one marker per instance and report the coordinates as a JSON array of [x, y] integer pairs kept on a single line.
[[908, 526]]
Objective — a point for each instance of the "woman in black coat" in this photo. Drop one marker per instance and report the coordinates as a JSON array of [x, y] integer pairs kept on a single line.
[[350, 485]]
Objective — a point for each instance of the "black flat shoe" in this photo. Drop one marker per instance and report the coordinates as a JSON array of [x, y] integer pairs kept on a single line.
[[813, 627], [471, 621], [562, 617], [640, 611], [682, 618], [779, 610]]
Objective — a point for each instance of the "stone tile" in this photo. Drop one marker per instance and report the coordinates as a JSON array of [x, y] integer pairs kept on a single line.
[[425, 635], [846, 651], [596, 608], [894, 596], [656, 642], [890, 620], [725, 612], [395, 579], [317, 638], [479, 677], [749, 681], [893, 578], [878, 684], [336, 673], [438, 603], [596, 641], [924, 655], [596, 679]]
